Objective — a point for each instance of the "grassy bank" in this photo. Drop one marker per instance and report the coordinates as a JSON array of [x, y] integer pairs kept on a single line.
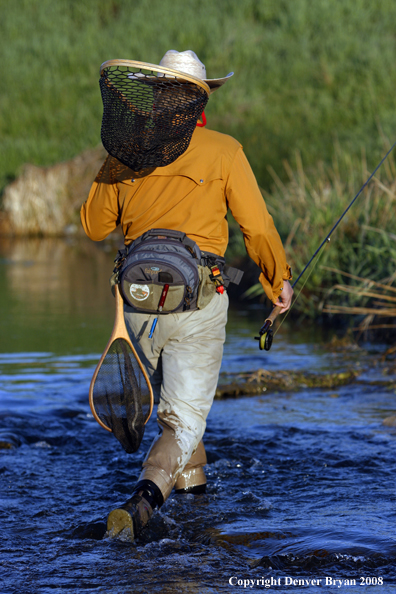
[[312, 79], [305, 72], [363, 246]]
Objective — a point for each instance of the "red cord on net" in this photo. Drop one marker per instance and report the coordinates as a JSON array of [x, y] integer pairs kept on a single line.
[[203, 121]]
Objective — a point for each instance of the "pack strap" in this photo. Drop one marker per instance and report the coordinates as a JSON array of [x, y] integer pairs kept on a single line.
[[229, 273], [234, 274], [188, 243]]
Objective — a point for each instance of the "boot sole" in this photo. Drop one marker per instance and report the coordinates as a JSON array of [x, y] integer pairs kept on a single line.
[[120, 521]]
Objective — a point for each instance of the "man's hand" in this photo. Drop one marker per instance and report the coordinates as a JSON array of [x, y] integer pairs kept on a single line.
[[285, 298]]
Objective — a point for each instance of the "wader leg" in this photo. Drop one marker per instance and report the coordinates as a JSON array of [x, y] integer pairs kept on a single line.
[[189, 347], [169, 451], [193, 478]]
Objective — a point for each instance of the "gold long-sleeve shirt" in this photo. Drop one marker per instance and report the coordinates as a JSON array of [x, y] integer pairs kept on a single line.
[[192, 195]]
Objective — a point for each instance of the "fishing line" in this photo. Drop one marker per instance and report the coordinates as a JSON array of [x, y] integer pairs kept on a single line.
[[327, 238], [300, 290], [266, 333]]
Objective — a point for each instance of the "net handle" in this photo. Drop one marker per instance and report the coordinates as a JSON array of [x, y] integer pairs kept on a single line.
[[119, 331], [167, 71]]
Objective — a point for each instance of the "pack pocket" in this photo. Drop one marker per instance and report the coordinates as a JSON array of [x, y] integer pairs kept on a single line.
[[206, 289], [159, 273], [146, 297]]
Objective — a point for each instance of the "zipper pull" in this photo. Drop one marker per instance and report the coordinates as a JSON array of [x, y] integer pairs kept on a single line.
[[153, 328], [163, 297]]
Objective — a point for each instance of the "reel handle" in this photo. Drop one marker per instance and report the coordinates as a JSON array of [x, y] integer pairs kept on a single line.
[[273, 315]]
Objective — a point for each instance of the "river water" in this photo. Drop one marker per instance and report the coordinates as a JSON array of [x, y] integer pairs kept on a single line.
[[301, 484]]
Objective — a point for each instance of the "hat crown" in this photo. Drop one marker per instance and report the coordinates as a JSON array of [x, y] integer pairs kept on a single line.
[[187, 62]]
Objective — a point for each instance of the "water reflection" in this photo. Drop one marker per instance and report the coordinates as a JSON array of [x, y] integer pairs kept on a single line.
[[54, 295]]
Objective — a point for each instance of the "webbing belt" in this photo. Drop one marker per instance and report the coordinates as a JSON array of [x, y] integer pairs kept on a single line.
[[229, 273]]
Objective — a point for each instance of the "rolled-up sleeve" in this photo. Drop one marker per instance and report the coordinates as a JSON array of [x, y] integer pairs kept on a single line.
[[262, 240], [100, 213]]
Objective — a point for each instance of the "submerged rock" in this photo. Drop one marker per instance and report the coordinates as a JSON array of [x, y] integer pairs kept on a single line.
[[262, 380], [9, 441], [390, 421]]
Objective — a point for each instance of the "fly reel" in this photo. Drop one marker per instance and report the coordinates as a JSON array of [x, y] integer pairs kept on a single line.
[[266, 333], [265, 340]]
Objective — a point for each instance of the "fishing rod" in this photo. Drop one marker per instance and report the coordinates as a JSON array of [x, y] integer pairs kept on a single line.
[[266, 333]]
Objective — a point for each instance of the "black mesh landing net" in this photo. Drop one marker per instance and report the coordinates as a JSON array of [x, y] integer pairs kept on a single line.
[[121, 396], [148, 119]]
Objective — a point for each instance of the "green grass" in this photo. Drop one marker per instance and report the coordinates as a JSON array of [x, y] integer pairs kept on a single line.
[[309, 77], [305, 72], [306, 208]]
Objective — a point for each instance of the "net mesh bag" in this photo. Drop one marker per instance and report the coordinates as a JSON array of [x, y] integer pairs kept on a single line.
[[148, 116], [121, 396]]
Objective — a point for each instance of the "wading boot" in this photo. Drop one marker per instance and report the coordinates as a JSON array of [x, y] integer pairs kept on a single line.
[[129, 519]]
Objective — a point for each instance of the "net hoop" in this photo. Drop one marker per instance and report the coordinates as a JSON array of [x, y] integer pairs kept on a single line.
[[179, 76], [119, 331]]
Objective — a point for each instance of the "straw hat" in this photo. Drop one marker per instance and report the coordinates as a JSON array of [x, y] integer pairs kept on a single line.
[[189, 63]]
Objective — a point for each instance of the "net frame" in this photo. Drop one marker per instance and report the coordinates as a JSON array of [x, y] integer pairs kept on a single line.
[[119, 331], [153, 68], [149, 112]]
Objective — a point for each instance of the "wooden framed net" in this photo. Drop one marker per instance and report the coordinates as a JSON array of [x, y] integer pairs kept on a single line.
[[149, 112], [120, 394]]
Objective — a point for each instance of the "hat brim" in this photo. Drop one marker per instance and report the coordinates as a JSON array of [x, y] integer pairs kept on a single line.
[[216, 83], [211, 84]]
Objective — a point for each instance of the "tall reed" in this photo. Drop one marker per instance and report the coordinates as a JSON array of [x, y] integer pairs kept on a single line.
[[305, 209], [375, 302]]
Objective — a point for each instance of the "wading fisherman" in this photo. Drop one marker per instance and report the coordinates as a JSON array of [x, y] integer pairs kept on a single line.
[[183, 355]]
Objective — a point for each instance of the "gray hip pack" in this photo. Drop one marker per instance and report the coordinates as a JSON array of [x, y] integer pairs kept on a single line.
[[164, 271]]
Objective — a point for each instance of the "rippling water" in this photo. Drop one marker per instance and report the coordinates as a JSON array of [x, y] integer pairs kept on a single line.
[[301, 485]]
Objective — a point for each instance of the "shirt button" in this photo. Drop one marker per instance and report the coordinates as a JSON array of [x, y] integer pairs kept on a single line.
[[201, 180], [132, 180]]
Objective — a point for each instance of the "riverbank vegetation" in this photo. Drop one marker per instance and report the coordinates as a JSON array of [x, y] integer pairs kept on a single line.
[[306, 73], [312, 101], [355, 272], [374, 301]]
